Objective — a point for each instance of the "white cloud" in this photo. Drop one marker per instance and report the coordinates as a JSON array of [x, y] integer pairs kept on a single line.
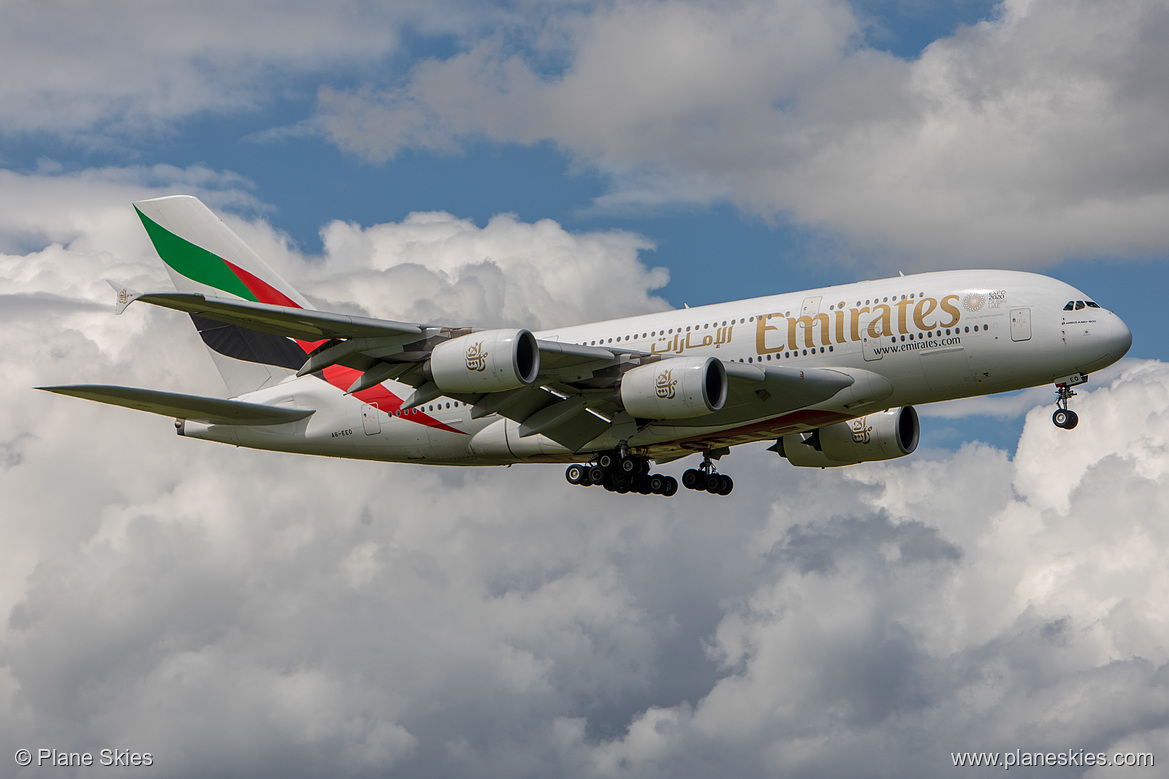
[[238, 612], [433, 267], [1020, 140], [125, 67]]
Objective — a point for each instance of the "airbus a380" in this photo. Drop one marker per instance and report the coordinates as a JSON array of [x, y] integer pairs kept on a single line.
[[830, 375]]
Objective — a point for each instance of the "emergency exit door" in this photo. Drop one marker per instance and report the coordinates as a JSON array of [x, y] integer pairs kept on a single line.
[[1020, 324], [370, 419]]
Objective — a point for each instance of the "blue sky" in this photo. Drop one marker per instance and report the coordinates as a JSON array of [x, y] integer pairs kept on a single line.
[[244, 613]]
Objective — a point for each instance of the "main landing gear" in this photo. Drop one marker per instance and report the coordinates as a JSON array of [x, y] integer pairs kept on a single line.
[[621, 472], [706, 477], [1064, 417]]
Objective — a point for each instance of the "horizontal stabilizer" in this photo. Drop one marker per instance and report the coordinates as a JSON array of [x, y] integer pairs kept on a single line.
[[210, 411]]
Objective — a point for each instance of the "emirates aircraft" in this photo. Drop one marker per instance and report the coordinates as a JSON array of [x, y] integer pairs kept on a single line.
[[829, 375]]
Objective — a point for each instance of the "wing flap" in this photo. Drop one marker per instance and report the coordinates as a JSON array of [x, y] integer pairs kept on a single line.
[[211, 411]]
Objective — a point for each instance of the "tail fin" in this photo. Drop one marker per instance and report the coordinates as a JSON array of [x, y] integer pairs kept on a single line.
[[202, 254]]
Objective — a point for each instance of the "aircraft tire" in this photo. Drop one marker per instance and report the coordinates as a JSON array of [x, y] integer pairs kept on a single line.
[[628, 466], [1065, 419], [657, 483], [671, 486], [576, 474], [728, 485], [691, 479], [596, 475], [714, 483], [605, 461]]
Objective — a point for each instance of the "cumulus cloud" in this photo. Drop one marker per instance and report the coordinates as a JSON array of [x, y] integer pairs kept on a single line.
[[1023, 139], [240, 613], [124, 67], [433, 267]]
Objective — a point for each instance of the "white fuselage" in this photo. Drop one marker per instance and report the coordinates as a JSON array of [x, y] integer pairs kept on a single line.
[[906, 341]]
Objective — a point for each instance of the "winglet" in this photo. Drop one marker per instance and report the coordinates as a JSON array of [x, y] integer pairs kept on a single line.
[[126, 296]]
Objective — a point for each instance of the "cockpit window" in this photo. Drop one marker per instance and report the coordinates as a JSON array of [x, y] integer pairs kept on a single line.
[[1091, 304], [1070, 306], [1079, 304]]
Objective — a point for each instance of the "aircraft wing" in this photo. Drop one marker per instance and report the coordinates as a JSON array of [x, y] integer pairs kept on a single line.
[[757, 391], [572, 400], [298, 323], [211, 411]]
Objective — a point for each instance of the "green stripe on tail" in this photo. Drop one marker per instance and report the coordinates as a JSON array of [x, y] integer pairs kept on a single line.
[[192, 261]]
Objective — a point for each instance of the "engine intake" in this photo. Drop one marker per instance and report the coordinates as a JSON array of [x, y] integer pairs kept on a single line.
[[675, 388], [882, 436], [490, 361]]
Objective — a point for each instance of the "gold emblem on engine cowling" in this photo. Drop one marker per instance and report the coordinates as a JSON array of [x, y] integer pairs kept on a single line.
[[476, 357], [665, 384], [860, 431]]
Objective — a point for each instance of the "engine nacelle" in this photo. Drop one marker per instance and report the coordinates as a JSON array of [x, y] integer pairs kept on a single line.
[[882, 436], [676, 388], [490, 361]]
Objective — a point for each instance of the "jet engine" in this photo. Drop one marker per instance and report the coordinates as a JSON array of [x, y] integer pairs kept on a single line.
[[490, 361], [882, 436], [675, 388]]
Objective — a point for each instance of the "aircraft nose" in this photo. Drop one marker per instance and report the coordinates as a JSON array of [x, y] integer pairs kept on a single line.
[[1121, 337]]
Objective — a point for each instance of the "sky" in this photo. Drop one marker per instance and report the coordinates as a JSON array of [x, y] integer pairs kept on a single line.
[[242, 613]]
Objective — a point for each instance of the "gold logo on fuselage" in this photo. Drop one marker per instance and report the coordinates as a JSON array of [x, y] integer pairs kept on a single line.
[[665, 385], [845, 324], [476, 357]]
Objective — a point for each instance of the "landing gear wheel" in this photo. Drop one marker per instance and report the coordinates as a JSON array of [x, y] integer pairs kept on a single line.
[[605, 461], [670, 487], [727, 486], [1063, 417], [692, 478], [576, 474], [628, 465], [596, 475], [656, 484], [714, 483]]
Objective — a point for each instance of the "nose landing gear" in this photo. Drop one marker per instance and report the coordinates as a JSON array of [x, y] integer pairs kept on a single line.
[[1064, 417]]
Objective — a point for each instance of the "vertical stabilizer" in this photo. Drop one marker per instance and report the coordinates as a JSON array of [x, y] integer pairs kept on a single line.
[[202, 254]]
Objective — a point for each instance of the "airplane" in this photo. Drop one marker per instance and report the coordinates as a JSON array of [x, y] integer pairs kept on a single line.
[[830, 375]]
